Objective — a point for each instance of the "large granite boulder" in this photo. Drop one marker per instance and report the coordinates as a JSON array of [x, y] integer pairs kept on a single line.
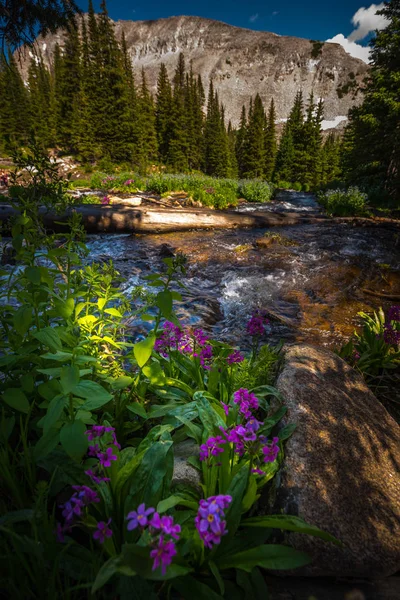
[[342, 466]]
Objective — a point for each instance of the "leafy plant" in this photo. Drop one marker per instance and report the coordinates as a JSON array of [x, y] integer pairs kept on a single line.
[[343, 202]]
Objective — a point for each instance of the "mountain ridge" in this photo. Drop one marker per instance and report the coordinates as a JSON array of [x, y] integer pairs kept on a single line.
[[241, 62]]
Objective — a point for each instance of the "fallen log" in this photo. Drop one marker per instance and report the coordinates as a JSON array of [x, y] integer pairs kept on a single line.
[[121, 218], [125, 219]]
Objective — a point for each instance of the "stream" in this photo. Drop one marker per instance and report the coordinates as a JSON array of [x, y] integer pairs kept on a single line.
[[312, 289]]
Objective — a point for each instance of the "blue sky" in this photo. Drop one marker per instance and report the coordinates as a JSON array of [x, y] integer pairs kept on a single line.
[[321, 20]]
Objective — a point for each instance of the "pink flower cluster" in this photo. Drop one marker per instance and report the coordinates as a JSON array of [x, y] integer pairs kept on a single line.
[[160, 530], [129, 182], [104, 436], [235, 357], [186, 341], [391, 333], [247, 402], [210, 519], [106, 200], [256, 326], [73, 509]]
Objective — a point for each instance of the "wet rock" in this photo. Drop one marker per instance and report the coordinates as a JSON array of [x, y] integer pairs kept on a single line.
[[264, 242], [7, 256], [184, 474], [166, 251], [342, 466]]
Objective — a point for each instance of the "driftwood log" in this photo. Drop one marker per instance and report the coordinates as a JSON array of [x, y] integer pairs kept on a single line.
[[120, 218]]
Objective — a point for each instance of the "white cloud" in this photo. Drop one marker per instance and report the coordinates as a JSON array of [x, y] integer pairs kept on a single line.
[[253, 18], [352, 48], [366, 20]]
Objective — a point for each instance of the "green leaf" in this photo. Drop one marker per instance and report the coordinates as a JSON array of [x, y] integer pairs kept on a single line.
[[64, 308], [270, 556], [148, 484], [46, 444], [101, 302], [214, 570], [164, 303], [94, 394], [54, 412], [114, 312], [175, 500], [22, 319], [287, 431], [289, 523], [250, 496], [73, 439], [105, 573], [33, 274], [69, 378], [122, 382], [16, 398], [137, 409], [48, 337], [154, 373], [142, 350], [189, 587], [49, 389]]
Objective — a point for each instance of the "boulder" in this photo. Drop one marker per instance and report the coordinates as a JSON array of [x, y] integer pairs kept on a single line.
[[342, 465], [185, 475]]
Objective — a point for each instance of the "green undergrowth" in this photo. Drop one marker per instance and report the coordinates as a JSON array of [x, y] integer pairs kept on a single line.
[[210, 191], [92, 415]]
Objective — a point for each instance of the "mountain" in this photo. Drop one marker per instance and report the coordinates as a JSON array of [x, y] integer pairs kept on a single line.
[[241, 62]]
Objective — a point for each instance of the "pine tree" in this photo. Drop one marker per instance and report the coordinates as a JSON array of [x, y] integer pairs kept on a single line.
[[253, 158], [146, 148], [233, 169], [240, 140], [67, 80], [41, 102], [285, 156], [330, 160], [270, 142], [82, 125], [163, 112], [14, 105], [216, 147], [372, 142], [179, 139]]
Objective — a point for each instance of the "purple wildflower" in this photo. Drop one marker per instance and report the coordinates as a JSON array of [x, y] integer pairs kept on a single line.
[[139, 518], [166, 524], [271, 452], [72, 508], [106, 457], [225, 407], [247, 401], [256, 325], [86, 494], [162, 555], [210, 521], [257, 472], [391, 335], [206, 357], [95, 478], [129, 181], [94, 450], [106, 200], [103, 530], [200, 337], [235, 357], [393, 314], [212, 447]]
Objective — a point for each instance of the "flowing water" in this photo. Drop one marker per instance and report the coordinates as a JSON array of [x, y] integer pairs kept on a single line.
[[312, 289]]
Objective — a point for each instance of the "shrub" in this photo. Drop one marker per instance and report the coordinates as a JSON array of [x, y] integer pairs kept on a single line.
[[297, 186], [343, 202], [256, 191], [306, 187], [284, 185]]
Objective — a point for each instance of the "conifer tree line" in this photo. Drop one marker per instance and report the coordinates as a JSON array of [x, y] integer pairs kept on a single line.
[[90, 104]]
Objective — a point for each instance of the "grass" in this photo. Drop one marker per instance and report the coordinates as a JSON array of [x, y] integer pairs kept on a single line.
[[210, 191]]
